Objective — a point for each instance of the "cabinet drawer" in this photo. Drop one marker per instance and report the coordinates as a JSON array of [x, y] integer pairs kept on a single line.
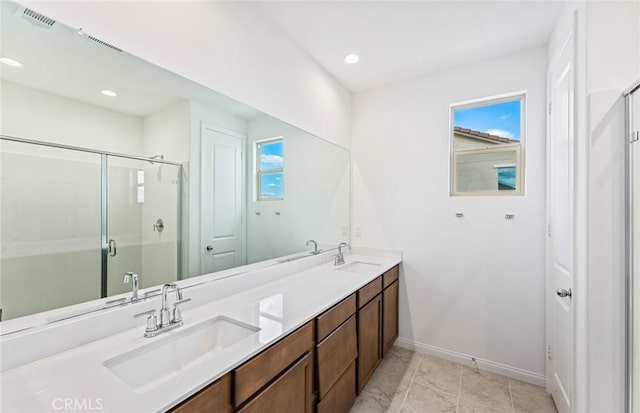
[[260, 370], [366, 293], [341, 396], [214, 398], [337, 315], [335, 354], [390, 276], [291, 392]]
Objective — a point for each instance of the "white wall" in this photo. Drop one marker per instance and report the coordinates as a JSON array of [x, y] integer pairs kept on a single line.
[[33, 114], [473, 285], [227, 46], [316, 194]]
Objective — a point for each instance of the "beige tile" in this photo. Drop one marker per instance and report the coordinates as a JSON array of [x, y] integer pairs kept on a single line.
[[474, 405], [527, 387], [527, 402], [439, 373], [366, 403], [471, 371], [388, 387], [400, 362], [427, 399], [484, 389]]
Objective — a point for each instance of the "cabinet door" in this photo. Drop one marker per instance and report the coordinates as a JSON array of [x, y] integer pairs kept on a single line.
[[390, 316], [369, 342], [215, 398], [292, 392]]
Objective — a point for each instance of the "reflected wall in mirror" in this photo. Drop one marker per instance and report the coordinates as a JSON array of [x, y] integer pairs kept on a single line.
[[161, 179]]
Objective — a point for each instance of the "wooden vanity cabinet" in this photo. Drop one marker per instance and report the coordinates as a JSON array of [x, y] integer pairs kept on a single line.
[[390, 297], [336, 353], [369, 331], [214, 398], [292, 391], [272, 366]]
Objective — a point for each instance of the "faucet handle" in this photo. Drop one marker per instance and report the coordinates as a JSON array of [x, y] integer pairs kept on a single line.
[[152, 320], [177, 313]]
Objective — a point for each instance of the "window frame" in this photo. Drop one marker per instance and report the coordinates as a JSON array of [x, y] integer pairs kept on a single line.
[[260, 173], [520, 147]]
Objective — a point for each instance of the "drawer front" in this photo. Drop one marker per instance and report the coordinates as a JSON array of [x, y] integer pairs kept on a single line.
[[335, 354], [341, 396], [390, 276], [214, 398], [260, 370], [337, 315], [366, 293], [291, 392]]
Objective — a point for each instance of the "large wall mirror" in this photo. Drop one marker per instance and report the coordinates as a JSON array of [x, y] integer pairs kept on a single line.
[[110, 165]]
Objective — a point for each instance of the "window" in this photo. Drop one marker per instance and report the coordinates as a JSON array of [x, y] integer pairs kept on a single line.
[[487, 146], [270, 169]]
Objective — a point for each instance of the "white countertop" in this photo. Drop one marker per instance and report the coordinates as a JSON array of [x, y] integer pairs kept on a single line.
[[277, 307]]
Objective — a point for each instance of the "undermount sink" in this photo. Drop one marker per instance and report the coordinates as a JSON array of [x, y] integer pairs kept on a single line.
[[157, 362], [358, 266]]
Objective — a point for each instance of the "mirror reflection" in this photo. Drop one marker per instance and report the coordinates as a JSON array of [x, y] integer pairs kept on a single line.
[[117, 175]]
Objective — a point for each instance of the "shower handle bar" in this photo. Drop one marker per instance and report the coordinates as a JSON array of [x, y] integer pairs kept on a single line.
[[113, 248]]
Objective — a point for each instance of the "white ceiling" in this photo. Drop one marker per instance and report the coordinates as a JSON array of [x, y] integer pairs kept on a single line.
[[59, 61], [399, 40]]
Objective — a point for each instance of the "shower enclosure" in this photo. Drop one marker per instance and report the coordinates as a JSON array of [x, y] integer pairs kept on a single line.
[[74, 220]]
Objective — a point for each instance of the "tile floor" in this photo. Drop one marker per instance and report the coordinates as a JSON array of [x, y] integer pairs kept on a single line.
[[411, 382]]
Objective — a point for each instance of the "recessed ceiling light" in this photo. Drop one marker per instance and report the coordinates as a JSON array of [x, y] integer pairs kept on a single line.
[[109, 93], [351, 58], [10, 62]]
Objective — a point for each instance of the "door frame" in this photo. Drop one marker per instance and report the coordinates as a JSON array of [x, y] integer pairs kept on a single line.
[[243, 202]]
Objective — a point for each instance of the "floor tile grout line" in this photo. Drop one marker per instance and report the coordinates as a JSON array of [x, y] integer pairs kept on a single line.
[[513, 408], [415, 372], [459, 390]]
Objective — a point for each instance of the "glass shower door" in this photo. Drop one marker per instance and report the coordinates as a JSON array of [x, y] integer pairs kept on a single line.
[[50, 208], [143, 222]]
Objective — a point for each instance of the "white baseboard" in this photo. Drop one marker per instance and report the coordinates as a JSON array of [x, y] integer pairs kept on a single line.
[[465, 359]]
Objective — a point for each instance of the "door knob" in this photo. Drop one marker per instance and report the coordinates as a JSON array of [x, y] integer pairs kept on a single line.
[[563, 293], [209, 247]]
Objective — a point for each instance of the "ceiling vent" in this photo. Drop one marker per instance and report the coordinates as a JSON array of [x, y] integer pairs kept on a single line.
[[103, 43], [37, 19]]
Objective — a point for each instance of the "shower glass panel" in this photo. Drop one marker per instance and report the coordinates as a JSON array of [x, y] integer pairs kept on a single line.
[[143, 224], [50, 206], [74, 220]]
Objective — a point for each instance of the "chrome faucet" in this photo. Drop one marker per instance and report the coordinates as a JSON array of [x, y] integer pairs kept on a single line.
[[315, 246], [133, 277], [339, 260], [169, 319]]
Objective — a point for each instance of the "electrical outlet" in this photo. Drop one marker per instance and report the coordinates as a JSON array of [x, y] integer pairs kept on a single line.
[[358, 232], [344, 231]]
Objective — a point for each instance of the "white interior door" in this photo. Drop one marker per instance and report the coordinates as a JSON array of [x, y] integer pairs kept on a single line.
[[221, 199], [560, 237]]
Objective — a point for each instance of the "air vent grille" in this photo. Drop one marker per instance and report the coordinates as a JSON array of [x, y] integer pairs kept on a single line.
[[38, 19], [103, 43]]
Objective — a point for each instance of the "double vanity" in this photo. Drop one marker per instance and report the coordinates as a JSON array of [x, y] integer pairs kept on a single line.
[[300, 337]]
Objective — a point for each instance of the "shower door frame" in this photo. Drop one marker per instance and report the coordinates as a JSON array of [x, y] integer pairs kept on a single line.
[[104, 199], [630, 380]]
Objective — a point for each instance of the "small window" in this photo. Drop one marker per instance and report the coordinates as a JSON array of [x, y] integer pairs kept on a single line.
[[270, 169], [487, 151]]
